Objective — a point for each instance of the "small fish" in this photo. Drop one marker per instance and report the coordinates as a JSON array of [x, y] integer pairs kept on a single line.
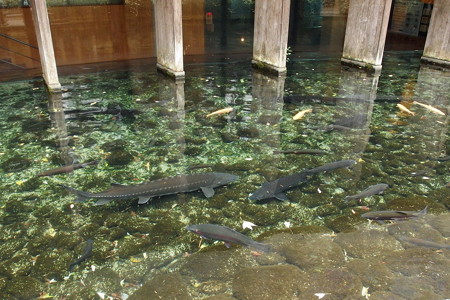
[[370, 191], [301, 114], [87, 253], [394, 215], [430, 108], [424, 243], [67, 169], [405, 109], [220, 111], [300, 151], [331, 166], [227, 235]]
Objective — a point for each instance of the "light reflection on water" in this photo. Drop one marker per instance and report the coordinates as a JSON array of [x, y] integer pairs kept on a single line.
[[141, 127]]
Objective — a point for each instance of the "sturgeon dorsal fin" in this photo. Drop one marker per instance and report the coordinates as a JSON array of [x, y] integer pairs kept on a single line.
[[207, 191]]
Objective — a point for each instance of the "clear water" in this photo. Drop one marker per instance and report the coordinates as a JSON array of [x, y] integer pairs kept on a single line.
[[162, 130]]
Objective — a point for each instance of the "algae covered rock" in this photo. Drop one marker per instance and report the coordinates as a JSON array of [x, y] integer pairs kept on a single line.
[[215, 265], [367, 243], [164, 286], [313, 252], [281, 282], [23, 287], [105, 280]]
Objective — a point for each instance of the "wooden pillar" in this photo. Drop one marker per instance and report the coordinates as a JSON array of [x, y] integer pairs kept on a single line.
[[45, 44], [365, 34], [437, 45], [169, 37], [271, 35]]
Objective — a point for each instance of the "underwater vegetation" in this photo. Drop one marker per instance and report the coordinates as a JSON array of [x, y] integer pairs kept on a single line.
[[140, 127]]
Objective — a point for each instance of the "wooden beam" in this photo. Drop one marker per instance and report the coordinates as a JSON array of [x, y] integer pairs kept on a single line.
[[365, 34], [271, 35], [437, 45], [169, 37], [45, 44]]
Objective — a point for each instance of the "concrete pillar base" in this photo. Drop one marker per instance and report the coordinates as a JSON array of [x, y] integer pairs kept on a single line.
[[435, 61], [268, 68], [53, 87], [177, 75], [360, 64]]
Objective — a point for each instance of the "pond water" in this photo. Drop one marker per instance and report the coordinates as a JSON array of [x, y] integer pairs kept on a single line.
[[140, 126]]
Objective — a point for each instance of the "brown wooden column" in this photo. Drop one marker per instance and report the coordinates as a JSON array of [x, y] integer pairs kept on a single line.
[[271, 35], [437, 45], [169, 37], [365, 34], [45, 44]]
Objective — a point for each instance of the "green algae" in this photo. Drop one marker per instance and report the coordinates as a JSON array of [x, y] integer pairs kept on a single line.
[[164, 140]]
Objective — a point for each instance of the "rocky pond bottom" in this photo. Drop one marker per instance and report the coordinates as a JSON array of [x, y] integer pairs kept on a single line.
[[374, 262]]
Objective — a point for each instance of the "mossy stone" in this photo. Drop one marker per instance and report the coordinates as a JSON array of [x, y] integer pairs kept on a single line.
[[258, 283], [15, 164], [344, 223], [39, 244], [104, 279], [31, 184], [135, 224], [19, 265], [52, 264], [167, 231], [327, 210], [10, 247], [116, 145], [24, 287], [132, 245], [228, 137], [119, 158], [248, 132], [165, 286], [16, 207]]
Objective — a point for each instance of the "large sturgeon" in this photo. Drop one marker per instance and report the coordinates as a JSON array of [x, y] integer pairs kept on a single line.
[[164, 186]]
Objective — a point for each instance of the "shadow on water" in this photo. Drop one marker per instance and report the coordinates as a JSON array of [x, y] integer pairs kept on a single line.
[[140, 126]]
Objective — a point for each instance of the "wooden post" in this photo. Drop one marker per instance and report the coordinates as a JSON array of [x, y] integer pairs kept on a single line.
[[271, 35], [45, 44], [365, 34], [437, 45], [169, 37]]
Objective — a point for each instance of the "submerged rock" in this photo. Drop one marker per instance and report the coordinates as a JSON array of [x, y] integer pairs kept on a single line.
[[165, 286], [15, 164], [281, 282], [368, 243]]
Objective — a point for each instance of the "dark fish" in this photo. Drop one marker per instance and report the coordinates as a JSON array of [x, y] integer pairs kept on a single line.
[[164, 186], [300, 151], [370, 191], [394, 214], [275, 189], [424, 243], [331, 166], [87, 253], [67, 169], [228, 235]]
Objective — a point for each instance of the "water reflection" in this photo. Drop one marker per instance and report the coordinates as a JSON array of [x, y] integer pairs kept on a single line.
[[58, 123]]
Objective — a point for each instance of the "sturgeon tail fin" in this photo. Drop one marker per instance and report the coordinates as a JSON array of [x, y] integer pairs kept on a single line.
[[81, 196]]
